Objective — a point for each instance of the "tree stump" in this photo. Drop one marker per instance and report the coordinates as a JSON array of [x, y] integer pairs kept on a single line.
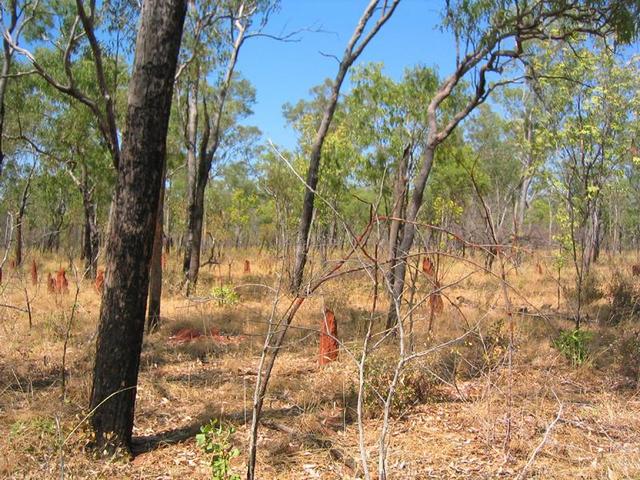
[[635, 270], [328, 338], [34, 272]]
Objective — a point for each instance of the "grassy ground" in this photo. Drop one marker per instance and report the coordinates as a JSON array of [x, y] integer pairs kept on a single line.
[[456, 408]]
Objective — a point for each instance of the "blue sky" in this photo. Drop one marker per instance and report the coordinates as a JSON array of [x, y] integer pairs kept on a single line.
[[285, 72]]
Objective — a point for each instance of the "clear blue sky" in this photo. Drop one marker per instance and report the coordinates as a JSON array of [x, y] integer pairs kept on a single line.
[[285, 72]]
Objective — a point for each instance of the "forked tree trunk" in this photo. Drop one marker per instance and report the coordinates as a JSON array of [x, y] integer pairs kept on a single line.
[[408, 233], [397, 212], [195, 234], [155, 276], [209, 143], [192, 169], [131, 232], [26, 191]]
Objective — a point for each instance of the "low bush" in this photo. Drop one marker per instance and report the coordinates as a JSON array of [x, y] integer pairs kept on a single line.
[[574, 345], [414, 386]]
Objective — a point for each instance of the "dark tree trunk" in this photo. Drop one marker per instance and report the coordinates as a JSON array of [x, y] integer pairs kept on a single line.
[[20, 216], [18, 247], [209, 142], [131, 232], [304, 228], [155, 276]]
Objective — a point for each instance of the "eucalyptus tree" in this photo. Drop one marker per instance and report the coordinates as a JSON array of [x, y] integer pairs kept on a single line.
[[217, 32], [492, 38], [54, 203], [83, 32], [390, 126], [496, 167], [131, 233], [375, 15], [279, 189], [591, 127], [69, 140], [340, 158], [18, 20], [87, 68]]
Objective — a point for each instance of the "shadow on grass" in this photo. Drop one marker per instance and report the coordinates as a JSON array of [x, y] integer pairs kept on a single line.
[[147, 443]]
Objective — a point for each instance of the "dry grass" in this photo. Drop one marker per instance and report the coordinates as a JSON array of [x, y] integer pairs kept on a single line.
[[458, 431]]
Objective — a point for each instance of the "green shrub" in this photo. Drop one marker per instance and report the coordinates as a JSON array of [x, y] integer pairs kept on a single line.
[[214, 440], [225, 295], [574, 345]]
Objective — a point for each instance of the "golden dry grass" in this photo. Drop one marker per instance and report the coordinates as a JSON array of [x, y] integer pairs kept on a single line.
[[458, 431]]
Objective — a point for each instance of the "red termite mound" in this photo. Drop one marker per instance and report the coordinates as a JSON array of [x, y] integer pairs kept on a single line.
[[34, 272], [99, 281], [247, 266], [186, 335], [328, 338], [51, 284], [435, 301], [62, 285], [539, 268], [427, 266]]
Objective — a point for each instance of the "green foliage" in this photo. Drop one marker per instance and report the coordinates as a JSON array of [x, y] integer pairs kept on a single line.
[[33, 434], [225, 295], [215, 439], [574, 345]]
